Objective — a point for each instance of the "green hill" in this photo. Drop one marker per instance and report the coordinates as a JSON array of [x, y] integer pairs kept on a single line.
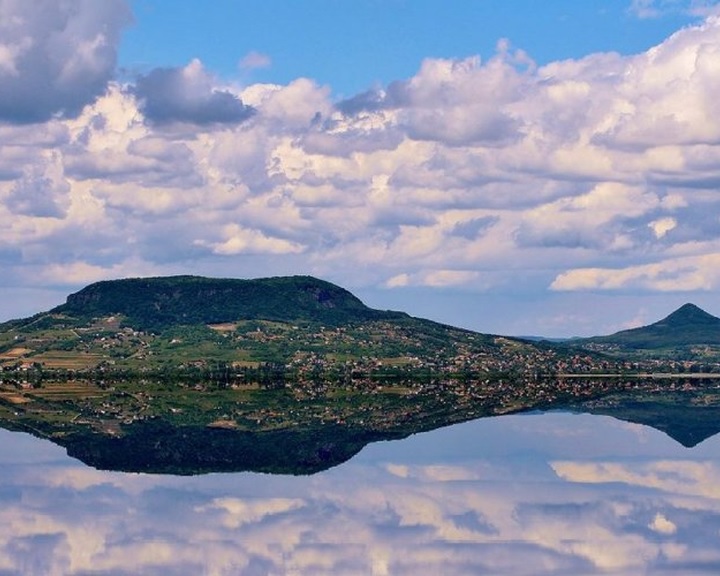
[[158, 303], [299, 322], [687, 328]]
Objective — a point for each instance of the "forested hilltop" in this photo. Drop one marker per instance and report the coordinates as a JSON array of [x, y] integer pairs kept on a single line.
[[300, 328], [155, 304], [688, 338], [299, 325]]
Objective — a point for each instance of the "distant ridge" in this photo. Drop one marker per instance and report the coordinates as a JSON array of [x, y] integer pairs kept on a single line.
[[687, 326]]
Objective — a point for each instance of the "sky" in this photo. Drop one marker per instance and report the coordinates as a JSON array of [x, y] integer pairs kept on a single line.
[[511, 167]]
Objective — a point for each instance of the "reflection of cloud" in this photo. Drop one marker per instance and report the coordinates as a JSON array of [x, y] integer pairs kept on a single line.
[[394, 517], [238, 512], [398, 470], [675, 477], [433, 473], [662, 525]]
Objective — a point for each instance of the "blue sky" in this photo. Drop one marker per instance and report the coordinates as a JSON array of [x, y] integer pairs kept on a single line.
[[352, 46], [510, 167]]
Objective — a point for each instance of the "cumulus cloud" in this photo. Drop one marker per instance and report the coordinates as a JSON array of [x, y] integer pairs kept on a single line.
[[455, 102], [41, 193], [662, 226], [188, 95], [449, 277], [594, 173], [662, 525], [56, 56], [676, 275], [239, 240]]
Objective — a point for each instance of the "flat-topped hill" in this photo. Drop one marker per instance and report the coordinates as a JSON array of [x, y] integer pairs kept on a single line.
[[156, 303], [299, 322]]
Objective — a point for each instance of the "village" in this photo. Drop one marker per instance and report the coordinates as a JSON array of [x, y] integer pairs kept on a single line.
[[311, 389], [262, 375]]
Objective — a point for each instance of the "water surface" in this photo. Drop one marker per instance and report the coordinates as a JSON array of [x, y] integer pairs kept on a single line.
[[527, 494]]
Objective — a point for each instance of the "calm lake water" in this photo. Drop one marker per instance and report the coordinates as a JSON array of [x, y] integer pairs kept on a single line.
[[530, 494]]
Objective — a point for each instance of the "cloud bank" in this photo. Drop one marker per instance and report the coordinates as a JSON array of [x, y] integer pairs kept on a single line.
[[56, 56], [593, 174]]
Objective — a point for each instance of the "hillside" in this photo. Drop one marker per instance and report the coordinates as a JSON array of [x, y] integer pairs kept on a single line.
[[299, 323], [158, 303], [689, 330]]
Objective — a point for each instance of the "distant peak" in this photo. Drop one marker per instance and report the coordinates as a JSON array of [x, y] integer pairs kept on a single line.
[[690, 307], [689, 314]]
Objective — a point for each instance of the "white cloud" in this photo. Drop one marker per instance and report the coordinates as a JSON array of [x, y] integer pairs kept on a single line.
[[449, 277], [678, 274], [662, 525], [662, 226], [398, 281], [295, 106], [56, 57], [239, 240], [595, 173], [80, 272], [656, 8]]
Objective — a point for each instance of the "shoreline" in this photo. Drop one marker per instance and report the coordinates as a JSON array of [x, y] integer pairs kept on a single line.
[[651, 375]]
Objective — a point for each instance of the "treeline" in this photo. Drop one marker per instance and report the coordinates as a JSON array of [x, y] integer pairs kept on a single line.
[[219, 374]]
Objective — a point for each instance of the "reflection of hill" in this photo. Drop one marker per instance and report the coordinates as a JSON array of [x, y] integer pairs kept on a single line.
[[158, 447], [688, 417]]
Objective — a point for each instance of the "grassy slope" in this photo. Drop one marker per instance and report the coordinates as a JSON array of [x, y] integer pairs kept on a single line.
[[683, 332], [154, 322]]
